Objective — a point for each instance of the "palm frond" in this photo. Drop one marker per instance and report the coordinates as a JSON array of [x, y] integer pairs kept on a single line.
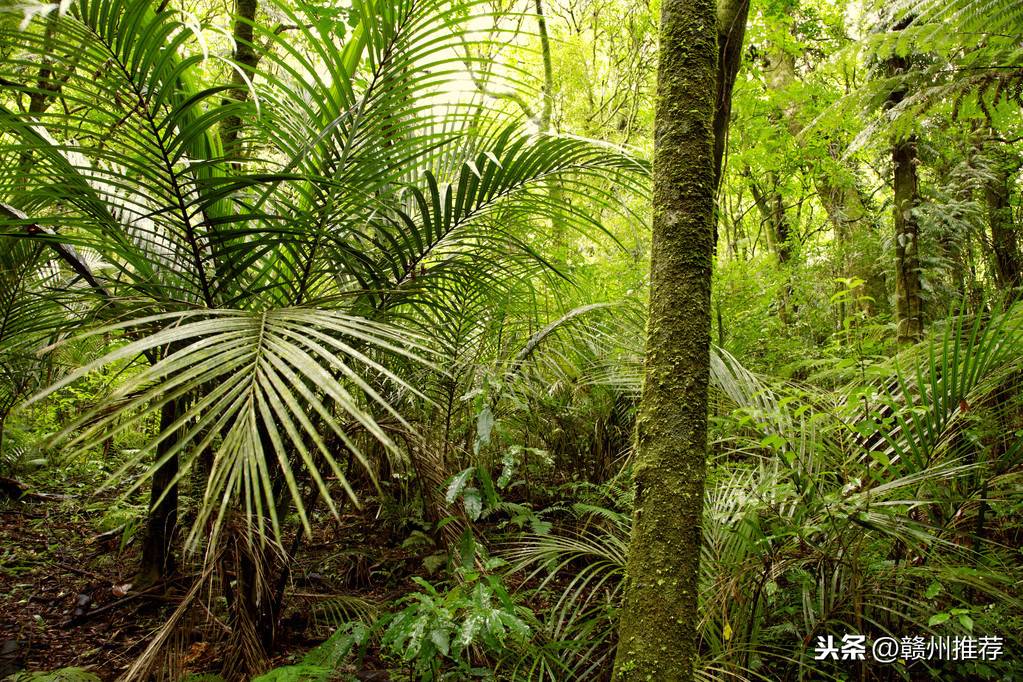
[[263, 389]]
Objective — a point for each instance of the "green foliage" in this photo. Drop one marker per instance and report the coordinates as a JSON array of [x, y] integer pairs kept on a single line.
[[807, 517], [369, 272], [214, 292], [437, 630], [322, 662], [20, 449], [302, 672], [971, 16]]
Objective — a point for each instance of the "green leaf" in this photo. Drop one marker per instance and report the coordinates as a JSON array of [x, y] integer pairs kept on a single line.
[[467, 548], [441, 639], [473, 503], [484, 426], [457, 485]]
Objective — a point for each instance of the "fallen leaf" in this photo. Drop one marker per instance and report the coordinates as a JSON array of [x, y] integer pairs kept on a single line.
[[195, 651]]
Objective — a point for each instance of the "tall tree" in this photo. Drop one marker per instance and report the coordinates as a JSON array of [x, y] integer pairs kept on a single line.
[[908, 288], [246, 58], [657, 636], [547, 108], [1008, 268], [731, 23], [158, 560]]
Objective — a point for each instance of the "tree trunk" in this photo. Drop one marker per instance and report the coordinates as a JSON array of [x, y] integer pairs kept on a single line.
[[848, 211], [249, 602], [157, 549], [772, 214], [1004, 243], [731, 23], [771, 207], [547, 108], [840, 195], [247, 58], [657, 635], [908, 290], [544, 123], [47, 89]]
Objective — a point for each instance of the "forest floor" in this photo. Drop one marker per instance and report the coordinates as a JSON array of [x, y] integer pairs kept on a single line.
[[65, 598], [57, 593]]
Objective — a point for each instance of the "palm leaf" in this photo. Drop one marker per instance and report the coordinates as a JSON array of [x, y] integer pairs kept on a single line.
[[263, 388]]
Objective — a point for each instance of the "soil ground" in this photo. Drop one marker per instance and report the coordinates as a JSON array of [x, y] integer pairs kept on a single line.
[[63, 600], [48, 570]]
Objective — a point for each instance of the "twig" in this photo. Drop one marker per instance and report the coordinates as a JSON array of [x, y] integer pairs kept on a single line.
[[80, 571], [73, 621]]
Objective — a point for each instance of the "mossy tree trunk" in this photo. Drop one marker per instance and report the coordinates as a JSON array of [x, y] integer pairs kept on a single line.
[[657, 635], [1008, 268], [909, 303], [547, 109], [731, 26], [908, 289], [771, 206], [246, 56], [845, 203], [836, 184], [545, 123]]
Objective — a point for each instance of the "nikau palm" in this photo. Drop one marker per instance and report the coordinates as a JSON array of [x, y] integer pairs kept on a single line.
[[316, 301], [272, 259]]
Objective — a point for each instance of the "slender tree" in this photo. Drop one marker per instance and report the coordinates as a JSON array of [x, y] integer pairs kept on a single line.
[[547, 109], [157, 545], [1008, 268], [908, 287], [657, 636], [246, 58], [908, 290], [731, 25]]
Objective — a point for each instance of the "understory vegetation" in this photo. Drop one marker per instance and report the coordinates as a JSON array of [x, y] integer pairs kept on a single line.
[[323, 330]]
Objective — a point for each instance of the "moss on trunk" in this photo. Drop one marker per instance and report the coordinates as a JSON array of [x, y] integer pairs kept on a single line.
[[909, 303], [657, 636], [731, 23], [908, 290], [1008, 265]]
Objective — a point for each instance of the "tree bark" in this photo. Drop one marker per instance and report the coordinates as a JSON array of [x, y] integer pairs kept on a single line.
[[839, 194], [544, 122], [247, 59], [731, 23], [657, 635], [908, 290], [1004, 242], [547, 108], [843, 200], [772, 213], [157, 548]]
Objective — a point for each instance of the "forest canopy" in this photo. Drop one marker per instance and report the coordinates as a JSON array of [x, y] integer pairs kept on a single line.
[[465, 339]]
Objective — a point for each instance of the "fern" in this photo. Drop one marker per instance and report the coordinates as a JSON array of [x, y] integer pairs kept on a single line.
[[968, 16]]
